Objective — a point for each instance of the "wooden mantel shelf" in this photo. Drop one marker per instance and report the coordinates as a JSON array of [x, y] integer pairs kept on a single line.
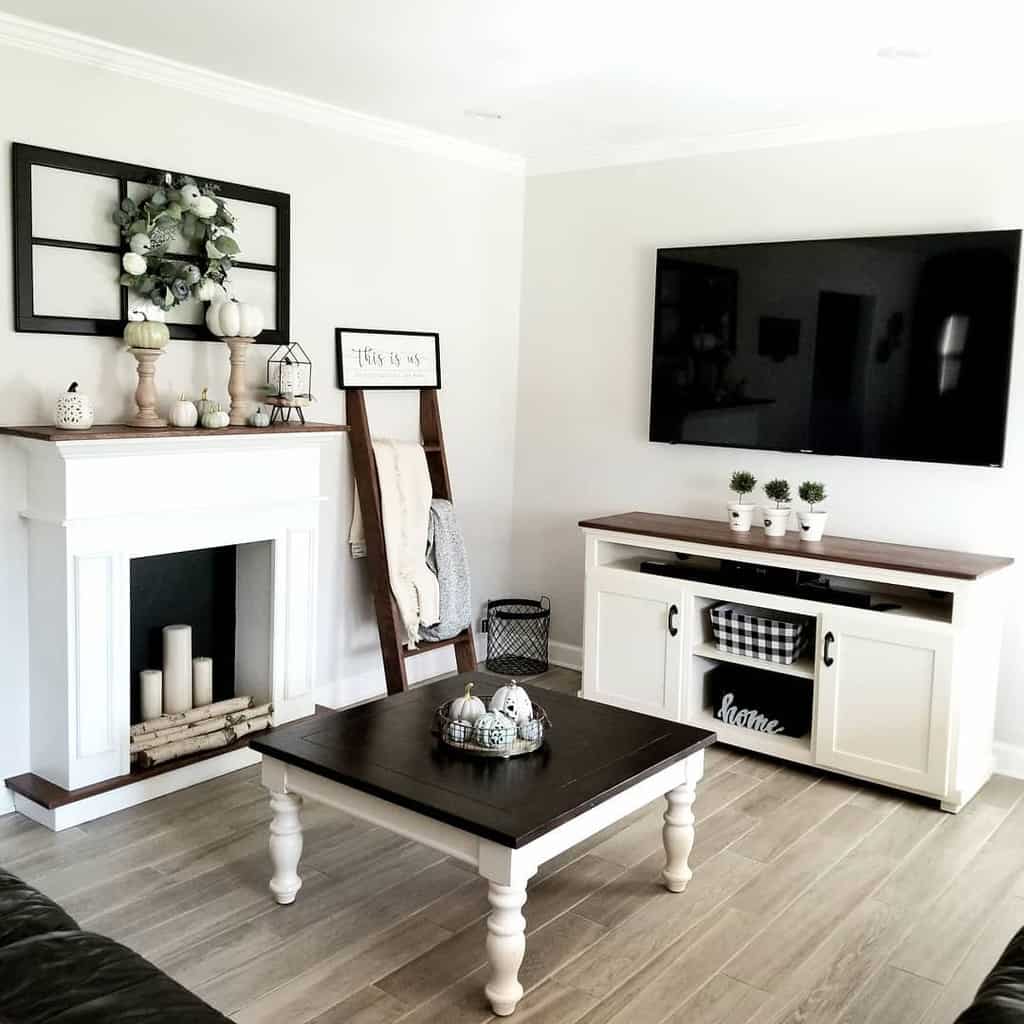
[[119, 432], [959, 565]]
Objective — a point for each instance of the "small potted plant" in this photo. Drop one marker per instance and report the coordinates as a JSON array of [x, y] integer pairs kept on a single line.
[[812, 524], [740, 513], [776, 519]]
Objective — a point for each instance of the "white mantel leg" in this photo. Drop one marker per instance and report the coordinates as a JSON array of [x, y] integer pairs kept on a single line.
[[506, 945], [677, 835], [285, 846]]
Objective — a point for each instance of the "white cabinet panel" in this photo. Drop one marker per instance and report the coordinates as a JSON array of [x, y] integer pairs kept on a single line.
[[632, 658], [884, 701]]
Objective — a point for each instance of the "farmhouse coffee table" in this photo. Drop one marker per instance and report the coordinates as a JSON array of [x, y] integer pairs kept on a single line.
[[380, 763]]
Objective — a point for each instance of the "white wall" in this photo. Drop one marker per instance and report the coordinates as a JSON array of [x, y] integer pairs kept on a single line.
[[585, 353], [381, 237]]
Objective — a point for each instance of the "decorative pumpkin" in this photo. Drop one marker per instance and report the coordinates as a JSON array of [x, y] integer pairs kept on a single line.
[[512, 700], [458, 732], [183, 413], [530, 731], [494, 730], [74, 410], [467, 708], [215, 418], [146, 334], [260, 418], [209, 291], [204, 405], [234, 319]]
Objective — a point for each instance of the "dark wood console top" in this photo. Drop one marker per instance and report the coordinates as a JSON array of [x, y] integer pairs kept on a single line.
[[118, 431], [958, 565]]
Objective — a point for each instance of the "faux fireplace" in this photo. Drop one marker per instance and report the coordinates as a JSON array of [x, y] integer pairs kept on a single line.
[[104, 511]]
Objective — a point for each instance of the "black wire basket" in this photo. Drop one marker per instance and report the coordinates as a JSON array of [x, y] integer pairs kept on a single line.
[[517, 636]]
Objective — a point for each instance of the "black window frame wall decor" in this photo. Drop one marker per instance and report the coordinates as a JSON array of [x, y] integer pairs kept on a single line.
[[24, 157]]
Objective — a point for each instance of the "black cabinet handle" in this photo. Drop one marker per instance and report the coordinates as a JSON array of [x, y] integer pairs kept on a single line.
[[825, 656], [673, 629]]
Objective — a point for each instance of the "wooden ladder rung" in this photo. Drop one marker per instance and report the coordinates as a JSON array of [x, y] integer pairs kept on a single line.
[[431, 645]]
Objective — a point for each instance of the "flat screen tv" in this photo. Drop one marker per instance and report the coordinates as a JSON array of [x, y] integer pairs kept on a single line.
[[893, 348]]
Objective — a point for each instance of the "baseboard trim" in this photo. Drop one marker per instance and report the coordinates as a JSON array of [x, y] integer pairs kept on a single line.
[[367, 686], [565, 655], [6, 800], [1009, 759]]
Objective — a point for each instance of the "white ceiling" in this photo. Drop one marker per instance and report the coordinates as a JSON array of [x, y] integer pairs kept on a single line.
[[590, 82]]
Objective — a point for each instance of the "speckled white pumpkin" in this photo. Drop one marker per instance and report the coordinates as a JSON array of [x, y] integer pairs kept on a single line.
[[494, 730], [74, 410], [530, 731], [458, 732], [467, 708], [514, 702]]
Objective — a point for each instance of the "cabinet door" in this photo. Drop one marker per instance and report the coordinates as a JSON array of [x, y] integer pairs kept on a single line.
[[883, 708], [633, 641]]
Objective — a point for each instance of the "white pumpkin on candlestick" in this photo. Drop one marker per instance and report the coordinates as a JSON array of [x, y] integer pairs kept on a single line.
[[234, 319]]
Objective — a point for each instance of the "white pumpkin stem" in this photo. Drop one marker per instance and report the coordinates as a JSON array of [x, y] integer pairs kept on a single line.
[[469, 691]]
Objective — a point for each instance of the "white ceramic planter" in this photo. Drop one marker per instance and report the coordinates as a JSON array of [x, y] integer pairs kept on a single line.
[[775, 521], [812, 525], [741, 515]]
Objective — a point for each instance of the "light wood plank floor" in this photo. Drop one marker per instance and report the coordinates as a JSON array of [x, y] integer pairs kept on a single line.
[[814, 900]]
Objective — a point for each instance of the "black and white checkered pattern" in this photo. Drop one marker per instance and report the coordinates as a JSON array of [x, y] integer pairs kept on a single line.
[[742, 630]]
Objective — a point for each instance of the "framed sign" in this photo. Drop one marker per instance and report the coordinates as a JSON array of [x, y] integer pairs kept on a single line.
[[387, 360], [67, 249]]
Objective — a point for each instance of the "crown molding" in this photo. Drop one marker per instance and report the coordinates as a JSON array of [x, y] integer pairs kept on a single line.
[[51, 41]]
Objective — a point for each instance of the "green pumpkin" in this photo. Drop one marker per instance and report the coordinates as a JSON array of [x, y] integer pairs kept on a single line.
[[146, 334]]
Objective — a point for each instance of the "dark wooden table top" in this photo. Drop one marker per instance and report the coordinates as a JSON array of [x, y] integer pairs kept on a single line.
[[958, 565], [591, 753]]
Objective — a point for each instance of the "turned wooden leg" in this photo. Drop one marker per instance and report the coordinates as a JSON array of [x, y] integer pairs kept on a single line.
[[285, 846], [242, 406], [506, 946], [145, 393], [677, 835]]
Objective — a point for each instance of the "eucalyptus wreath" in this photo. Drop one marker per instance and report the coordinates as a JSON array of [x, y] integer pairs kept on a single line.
[[177, 205]]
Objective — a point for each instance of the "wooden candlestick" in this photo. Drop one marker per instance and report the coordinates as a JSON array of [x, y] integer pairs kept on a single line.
[[145, 393], [242, 406]]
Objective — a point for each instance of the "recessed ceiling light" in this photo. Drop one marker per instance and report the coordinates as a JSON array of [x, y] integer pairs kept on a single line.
[[485, 115], [903, 53]]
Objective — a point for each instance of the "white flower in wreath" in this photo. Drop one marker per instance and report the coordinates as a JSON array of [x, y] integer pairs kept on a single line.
[[140, 243], [190, 195], [204, 207], [133, 263]]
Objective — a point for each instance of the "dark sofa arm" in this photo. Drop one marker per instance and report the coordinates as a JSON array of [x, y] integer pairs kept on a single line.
[[1000, 1000]]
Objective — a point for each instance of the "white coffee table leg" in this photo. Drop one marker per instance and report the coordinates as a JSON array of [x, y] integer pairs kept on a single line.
[[677, 835], [285, 846], [506, 946]]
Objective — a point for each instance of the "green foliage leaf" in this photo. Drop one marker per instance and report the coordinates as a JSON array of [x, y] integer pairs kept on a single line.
[[212, 251], [813, 492], [742, 482], [777, 490], [227, 245]]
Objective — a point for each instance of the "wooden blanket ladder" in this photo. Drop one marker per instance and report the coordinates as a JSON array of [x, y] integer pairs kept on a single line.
[[389, 622]]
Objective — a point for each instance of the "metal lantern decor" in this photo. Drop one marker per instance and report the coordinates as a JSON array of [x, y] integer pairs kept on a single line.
[[289, 381]]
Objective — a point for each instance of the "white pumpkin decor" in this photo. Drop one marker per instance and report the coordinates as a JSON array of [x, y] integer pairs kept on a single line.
[[260, 418], [458, 732], [529, 731], [234, 319], [74, 410], [467, 708], [494, 730], [146, 334], [514, 702], [183, 413], [204, 405], [215, 418]]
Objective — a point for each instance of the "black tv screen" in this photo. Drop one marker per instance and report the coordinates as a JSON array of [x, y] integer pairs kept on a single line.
[[894, 348]]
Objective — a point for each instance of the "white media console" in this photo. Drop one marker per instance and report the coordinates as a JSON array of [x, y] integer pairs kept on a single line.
[[901, 682]]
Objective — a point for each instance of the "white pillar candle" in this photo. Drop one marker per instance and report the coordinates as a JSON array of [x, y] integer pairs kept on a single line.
[[177, 669], [151, 688], [202, 682]]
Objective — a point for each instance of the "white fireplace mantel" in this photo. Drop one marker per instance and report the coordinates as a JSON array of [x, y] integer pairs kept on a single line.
[[92, 506]]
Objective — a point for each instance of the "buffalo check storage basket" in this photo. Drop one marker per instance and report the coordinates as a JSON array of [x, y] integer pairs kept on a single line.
[[776, 637]]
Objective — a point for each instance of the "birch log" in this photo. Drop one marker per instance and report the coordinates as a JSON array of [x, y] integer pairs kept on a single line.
[[222, 707], [147, 741], [212, 741]]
